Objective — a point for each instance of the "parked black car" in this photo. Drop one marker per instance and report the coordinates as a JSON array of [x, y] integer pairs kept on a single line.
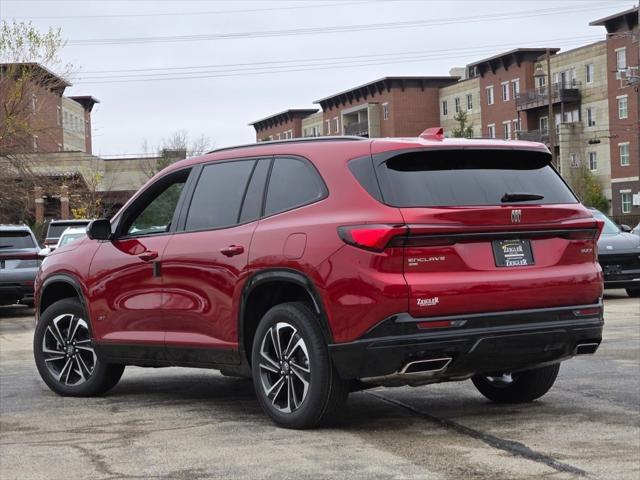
[[619, 256], [19, 262]]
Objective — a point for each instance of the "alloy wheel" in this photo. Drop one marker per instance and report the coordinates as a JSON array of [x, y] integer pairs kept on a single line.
[[285, 372], [67, 350]]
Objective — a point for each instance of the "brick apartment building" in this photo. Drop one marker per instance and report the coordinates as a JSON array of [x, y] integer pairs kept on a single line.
[[36, 95], [623, 88], [283, 125], [594, 97]]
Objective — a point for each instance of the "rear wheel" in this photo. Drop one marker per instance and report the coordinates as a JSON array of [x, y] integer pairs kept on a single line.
[[295, 381], [64, 353], [517, 387], [633, 292]]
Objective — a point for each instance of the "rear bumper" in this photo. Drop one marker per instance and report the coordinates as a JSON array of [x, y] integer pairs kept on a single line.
[[490, 342], [11, 293]]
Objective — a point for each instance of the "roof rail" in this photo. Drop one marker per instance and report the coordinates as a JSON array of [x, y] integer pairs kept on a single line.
[[292, 140]]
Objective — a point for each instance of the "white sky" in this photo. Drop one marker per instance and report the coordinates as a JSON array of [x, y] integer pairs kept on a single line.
[[221, 107]]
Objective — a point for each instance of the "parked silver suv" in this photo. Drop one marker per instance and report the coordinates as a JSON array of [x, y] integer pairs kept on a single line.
[[19, 262]]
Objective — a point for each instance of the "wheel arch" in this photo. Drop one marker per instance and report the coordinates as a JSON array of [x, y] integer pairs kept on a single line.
[[266, 289], [58, 287]]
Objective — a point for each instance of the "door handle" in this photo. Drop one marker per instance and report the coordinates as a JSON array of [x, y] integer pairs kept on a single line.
[[148, 255], [232, 250]]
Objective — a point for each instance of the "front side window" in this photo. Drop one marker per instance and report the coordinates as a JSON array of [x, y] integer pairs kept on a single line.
[[293, 183], [153, 213], [217, 198]]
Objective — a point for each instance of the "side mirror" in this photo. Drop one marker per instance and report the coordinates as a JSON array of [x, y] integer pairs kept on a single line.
[[625, 228], [99, 229], [43, 252]]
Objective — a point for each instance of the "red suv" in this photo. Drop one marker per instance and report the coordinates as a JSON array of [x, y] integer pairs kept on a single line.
[[319, 266]]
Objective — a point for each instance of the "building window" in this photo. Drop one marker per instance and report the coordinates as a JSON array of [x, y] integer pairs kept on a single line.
[[591, 117], [34, 103], [624, 153], [541, 82], [544, 124], [621, 58], [35, 143], [58, 116], [593, 161], [469, 101], [277, 136], [625, 197], [336, 125], [490, 95], [623, 107], [506, 126], [328, 124], [491, 130], [516, 125], [505, 91], [574, 160], [385, 111], [589, 70], [515, 85], [457, 104], [445, 111]]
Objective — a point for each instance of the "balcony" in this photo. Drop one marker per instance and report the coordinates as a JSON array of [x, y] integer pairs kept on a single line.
[[541, 136], [539, 97], [359, 129]]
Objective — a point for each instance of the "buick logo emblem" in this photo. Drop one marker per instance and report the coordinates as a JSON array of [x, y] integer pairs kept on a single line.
[[516, 216]]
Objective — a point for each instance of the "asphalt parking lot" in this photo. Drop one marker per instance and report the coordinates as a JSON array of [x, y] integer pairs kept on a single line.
[[195, 424]]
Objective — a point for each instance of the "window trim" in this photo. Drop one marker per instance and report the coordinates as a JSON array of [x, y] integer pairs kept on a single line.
[[490, 97], [622, 202], [628, 156]]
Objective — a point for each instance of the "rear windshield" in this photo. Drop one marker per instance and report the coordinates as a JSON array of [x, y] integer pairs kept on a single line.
[[470, 177], [56, 229], [9, 240]]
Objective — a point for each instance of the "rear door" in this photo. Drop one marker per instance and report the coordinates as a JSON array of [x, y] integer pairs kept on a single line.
[[490, 230], [204, 264]]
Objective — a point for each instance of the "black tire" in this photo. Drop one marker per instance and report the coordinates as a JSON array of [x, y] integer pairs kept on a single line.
[[98, 380], [525, 387], [326, 392], [633, 292]]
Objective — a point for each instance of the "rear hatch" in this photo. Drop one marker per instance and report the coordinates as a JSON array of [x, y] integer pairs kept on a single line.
[[489, 230]]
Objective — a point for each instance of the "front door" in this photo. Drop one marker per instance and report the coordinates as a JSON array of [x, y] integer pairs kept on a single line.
[[125, 285]]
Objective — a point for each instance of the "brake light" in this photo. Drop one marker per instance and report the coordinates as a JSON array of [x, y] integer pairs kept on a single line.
[[371, 237], [588, 234], [600, 224]]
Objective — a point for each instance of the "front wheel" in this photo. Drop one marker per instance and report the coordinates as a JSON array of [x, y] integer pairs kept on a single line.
[[64, 353], [293, 376], [517, 387]]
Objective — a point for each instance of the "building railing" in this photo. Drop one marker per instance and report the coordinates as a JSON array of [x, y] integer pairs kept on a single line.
[[541, 136], [538, 97], [360, 129]]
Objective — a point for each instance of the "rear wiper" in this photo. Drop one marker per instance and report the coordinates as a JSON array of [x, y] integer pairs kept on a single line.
[[520, 197]]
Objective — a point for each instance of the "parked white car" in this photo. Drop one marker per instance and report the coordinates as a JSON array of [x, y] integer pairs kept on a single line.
[[69, 235]]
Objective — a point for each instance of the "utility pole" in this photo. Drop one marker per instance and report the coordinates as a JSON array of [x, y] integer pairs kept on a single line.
[[552, 118]]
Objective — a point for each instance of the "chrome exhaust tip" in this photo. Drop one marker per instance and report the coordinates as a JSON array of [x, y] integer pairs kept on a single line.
[[432, 365], [586, 348]]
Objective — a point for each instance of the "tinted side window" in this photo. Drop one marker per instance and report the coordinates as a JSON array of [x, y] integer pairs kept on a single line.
[[252, 205], [293, 182], [218, 195]]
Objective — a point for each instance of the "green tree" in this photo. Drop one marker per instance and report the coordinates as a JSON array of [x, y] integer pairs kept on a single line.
[[589, 189], [462, 130]]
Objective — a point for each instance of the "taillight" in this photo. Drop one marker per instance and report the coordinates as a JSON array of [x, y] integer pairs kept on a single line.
[[371, 237], [600, 224]]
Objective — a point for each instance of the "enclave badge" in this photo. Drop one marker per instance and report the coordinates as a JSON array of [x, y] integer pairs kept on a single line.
[[516, 216]]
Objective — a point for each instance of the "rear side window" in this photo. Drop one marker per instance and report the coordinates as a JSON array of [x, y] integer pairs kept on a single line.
[[17, 239], [470, 177], [293, 183], [218, 195]]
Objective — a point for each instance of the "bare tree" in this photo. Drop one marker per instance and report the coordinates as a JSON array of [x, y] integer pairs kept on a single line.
[[176, 146], [27, 60]]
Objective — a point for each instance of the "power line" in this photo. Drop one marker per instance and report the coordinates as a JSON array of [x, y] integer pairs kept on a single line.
[[200, 13], [335, 29], [353, 63]]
